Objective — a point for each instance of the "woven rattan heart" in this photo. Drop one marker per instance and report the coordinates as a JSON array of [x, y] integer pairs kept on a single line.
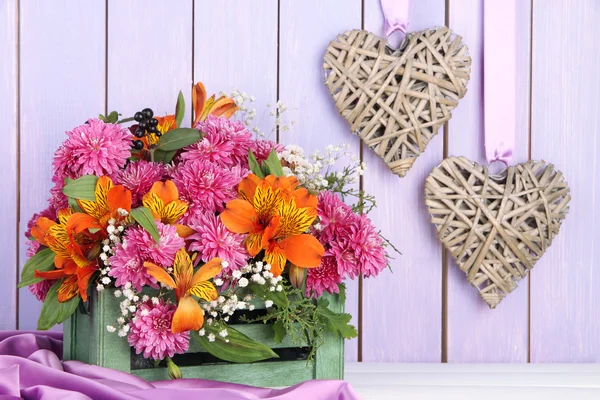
[[496, 228], [397, 100]]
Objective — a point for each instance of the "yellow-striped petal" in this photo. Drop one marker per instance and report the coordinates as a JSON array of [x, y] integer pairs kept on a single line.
[[204, 290]]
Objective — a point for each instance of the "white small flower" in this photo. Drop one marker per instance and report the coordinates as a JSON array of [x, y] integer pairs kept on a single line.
[[122, 333], [221, 299], [106, 280], [223, 333], [243, 282], [145, 298], [132, 308], [267, 267], [224, 264], [211, 337], [226, 340], [279, 288], [272, 289], [110, 229], [219, 282], [103, 256], [237, 274], [226, 318], [111, 221], [122, 212], [110, 328], [209, 321], [136, 298], [251, 307], [259, 264], [214, 314], [155, 300], [268, 303], [121, 320], [100, 287], [201, 332], [121, 228], [128, 285]]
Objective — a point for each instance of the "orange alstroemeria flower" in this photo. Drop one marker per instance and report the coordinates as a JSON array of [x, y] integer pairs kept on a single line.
[[73, 245], [188, 316], [164, 203], [223, 106], [111, 202], [275, 214]]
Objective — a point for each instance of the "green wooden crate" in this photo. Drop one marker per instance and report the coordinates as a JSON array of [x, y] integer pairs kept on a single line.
[[86, 339]]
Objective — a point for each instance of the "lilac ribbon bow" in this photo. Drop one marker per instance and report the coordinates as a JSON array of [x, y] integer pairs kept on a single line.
[[395, 13], [499, 79]]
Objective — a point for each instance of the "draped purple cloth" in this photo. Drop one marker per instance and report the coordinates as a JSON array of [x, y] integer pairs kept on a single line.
[[31, 368]]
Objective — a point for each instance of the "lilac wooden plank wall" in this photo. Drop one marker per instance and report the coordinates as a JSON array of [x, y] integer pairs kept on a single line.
[[127, 55]]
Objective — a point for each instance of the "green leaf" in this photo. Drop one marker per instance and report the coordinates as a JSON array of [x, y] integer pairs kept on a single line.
[[279, 331], [280, 299], [272, 165], [342, 292], [112, 118], [335, 322], [164, 157], [178, 139], [254, 166], [144, 217], [239, 349], [42, 261], [83, 188], [179, 109], [74, 205], [54, 312]]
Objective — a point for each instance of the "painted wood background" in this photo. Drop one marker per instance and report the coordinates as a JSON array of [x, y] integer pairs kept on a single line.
[[66, 60]]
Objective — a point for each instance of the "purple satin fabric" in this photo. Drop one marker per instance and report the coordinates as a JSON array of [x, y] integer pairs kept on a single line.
[[31, 368]]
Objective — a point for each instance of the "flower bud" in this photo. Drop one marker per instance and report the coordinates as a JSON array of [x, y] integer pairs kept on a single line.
[[297, 276], [174, 371]]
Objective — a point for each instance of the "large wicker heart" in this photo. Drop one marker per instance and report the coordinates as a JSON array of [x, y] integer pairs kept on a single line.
[[496, 227], [396, 100]]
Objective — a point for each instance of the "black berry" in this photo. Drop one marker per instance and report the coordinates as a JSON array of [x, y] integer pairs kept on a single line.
[[153, 122], [139, 132], [139, 117], [138, 145], [148, 113], [158, 134], [143, 125], [152, 129]]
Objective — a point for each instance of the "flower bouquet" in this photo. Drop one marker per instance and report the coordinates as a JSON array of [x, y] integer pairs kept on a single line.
[[200, 246]]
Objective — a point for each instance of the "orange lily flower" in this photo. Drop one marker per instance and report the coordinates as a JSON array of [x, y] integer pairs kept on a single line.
[[72, 243], [223, 106], [164, 203], [109, 199], [189, 315], [275, 214]]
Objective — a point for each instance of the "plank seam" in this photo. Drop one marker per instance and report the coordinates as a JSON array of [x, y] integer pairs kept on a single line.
[[529, 156], [18, 156], [444, 330], [106, 57], [361, 185]]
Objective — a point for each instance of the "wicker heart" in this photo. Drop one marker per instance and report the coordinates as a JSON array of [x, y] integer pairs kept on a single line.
[[496, 227], [396, 100]]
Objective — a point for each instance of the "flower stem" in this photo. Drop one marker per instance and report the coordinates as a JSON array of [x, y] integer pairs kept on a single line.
[[125, 120]]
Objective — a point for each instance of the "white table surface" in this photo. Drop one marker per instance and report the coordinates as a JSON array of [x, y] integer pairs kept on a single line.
[[382, 381]]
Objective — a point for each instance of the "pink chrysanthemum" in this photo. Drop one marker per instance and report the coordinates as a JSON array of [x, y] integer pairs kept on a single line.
[[323, 278], [216, 148], [94, 148], [212, 240], [127, 265], [57, 199], [262, 149], [32, 248], [334, 215], [225, 141], [343, 252], [139, 177], [205, 187], [163, 252], [150, 332], [40, 289], [368, 247]]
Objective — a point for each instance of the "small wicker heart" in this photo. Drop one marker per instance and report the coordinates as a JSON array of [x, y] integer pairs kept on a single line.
[[496, 228], [396, 100]]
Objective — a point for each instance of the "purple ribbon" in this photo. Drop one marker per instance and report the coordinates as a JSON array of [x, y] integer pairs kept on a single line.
[[395, 13], [499, 79]]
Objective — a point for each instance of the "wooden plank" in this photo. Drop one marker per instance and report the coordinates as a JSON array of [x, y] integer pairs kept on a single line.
[[9, 164], [402, 310], [476, 333], [329, 362], [565, 318], [149, 57], [306, 28], [235, 47], [266, 374], [62, 85]]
